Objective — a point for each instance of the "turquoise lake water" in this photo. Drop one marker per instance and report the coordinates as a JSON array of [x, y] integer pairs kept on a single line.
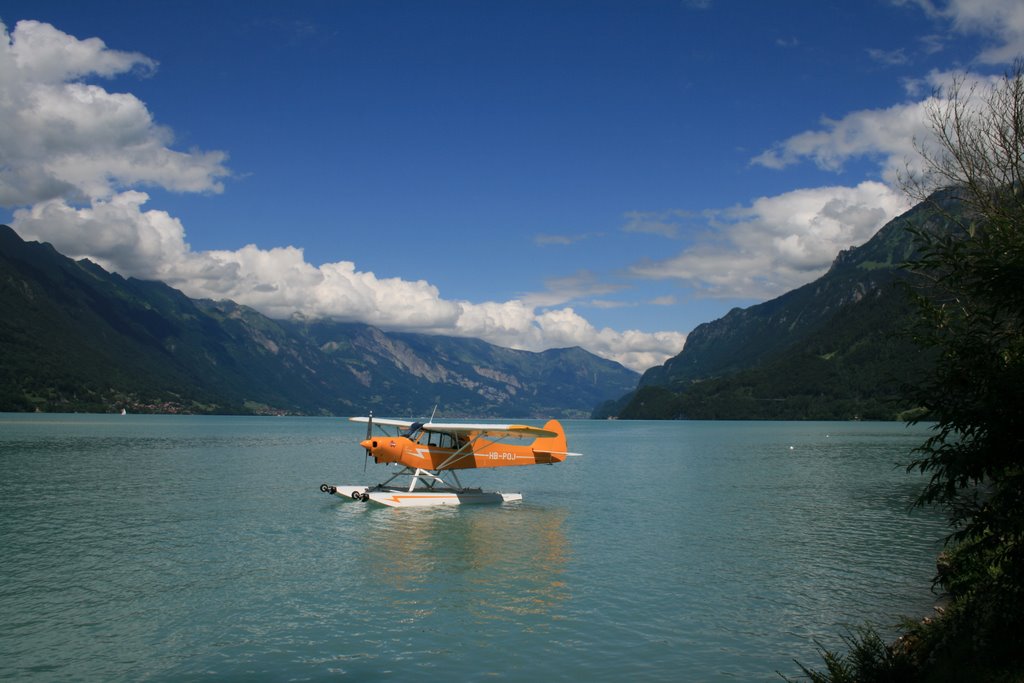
[[167, 548]]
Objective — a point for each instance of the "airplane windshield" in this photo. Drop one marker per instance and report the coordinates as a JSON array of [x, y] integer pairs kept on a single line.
[[414, 428]]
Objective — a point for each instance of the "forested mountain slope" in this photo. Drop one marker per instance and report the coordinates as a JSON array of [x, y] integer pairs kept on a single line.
[[74, 337]]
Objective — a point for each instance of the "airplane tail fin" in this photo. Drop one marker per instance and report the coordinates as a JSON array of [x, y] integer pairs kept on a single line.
[[554, 447]]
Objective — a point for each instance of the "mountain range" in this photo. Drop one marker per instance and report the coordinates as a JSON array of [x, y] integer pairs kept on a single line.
[[837, 348], [74, 337]]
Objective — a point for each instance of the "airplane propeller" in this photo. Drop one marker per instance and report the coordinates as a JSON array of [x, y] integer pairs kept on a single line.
[[369, 433]]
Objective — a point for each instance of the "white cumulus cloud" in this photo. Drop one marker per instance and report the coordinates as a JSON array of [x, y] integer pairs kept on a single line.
[[1002, 20], [115, 233], [887, 135], [65, 139], [778, 243]]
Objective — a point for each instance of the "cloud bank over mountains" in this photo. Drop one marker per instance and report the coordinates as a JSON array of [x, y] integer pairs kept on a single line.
[[78, 160], [77, 155]]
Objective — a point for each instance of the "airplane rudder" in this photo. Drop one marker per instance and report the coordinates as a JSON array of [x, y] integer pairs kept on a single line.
[[555, 444], [554, 426]]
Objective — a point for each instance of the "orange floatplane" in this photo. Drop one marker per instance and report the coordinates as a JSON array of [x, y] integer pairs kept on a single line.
[[429, 452]]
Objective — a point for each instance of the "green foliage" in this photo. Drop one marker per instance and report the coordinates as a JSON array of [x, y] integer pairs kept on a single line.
[[971, 300], [973, 308], [869, 659]]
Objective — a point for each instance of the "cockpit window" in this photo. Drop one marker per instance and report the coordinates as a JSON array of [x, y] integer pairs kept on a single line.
[[413, 430]]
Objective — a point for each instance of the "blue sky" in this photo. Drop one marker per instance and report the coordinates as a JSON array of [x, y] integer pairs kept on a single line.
[[537, 174]]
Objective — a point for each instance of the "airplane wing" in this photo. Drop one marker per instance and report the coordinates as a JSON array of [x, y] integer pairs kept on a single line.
[[498, 430], [489, 429], [384, 421]]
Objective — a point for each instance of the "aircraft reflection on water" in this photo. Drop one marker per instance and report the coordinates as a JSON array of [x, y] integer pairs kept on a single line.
[[507, 562]]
